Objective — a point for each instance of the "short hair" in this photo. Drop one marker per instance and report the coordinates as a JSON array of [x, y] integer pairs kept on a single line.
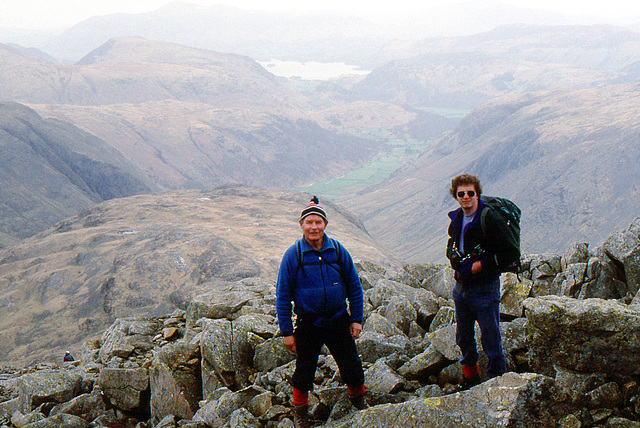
[[461, 179]]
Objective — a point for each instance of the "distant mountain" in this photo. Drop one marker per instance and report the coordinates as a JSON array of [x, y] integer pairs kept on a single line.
[[147, 255], [569, 158], [464, 72], [134, 70], [50, 170]]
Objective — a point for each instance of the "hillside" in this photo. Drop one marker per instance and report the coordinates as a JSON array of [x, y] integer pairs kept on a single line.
[[183, 145], [464, 72], [50, 170], [147, 255], [568, 158], [134, 70], [178, 117]]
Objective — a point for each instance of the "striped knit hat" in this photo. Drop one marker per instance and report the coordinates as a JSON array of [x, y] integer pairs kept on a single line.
[[313, 208]]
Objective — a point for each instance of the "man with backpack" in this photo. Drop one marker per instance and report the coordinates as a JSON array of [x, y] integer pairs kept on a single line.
[[483, 242], [317, 274]]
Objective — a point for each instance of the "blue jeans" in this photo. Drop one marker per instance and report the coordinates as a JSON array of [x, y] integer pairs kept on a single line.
[[480, 303]]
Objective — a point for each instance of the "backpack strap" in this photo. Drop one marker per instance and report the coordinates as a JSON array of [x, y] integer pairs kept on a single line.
[[300, 265]]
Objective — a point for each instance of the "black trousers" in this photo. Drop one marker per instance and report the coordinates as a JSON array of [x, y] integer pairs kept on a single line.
[[337, 337]]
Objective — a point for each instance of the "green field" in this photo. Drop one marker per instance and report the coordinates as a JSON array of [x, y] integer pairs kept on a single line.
[[395, 155]]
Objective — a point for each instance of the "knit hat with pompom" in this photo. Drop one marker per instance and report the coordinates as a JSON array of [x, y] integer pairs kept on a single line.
[[313, 207]]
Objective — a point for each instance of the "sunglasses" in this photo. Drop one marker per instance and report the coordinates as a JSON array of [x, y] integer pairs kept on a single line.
[[471, 193]]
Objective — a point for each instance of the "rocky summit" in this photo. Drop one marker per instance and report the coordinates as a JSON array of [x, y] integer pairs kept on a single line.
[[570, 326]]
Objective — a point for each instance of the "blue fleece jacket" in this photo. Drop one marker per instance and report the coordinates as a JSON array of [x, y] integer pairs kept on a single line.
[[319, 287]]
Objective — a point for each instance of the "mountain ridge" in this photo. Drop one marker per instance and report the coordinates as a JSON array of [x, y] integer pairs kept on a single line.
[[538, 149]]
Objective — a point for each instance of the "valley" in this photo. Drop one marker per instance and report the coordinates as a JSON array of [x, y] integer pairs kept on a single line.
[[112, 140]]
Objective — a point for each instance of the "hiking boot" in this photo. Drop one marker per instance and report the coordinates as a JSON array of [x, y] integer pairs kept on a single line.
[[301, 417], [359, 402], [464, 385]]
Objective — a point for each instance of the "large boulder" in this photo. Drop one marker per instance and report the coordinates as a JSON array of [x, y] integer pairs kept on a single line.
[[591, 335], [126, 389], [87, 406], [228, 349], [227, 300], [514, 291], [512, 400], [127, 337], [46, 386], [174, 378]]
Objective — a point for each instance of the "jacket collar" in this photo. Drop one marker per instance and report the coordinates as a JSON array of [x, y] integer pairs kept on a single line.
[[326, 244], [456, 215]]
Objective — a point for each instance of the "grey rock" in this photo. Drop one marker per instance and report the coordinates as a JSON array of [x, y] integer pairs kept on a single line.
[[617, 422], [444, 340], [445, 316], [86, 406], [373, 346], [607, 395], [515, 344], [631, 263], [383, 379], [576, 385], [574, 276], [510, 400], [225, 300], [260, 404], [60, 420], [169, 421], [592, 335], [376, 323], [513, 293], [271, 354], [217, 411], [126, 389], [242, 418], [608, 278], [126, 335], [621, 243], [216, 344], [401, 313], [440, 283], [576, 253], [228, 349], [175, 382], [543, 270], [429, 362], [46, 386]]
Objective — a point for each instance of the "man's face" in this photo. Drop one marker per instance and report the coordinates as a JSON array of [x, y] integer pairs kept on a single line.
[[468, 203], [313, 228]]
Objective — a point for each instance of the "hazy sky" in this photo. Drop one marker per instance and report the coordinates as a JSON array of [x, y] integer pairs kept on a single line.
[[47, 14]]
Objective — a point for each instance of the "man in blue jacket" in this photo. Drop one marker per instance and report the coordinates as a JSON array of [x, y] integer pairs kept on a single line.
[[318, 276], [474, 256]]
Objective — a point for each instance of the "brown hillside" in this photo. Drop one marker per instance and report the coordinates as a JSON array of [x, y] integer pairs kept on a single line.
[[568, 158], [134, 70], [181, 144], [146, 255]]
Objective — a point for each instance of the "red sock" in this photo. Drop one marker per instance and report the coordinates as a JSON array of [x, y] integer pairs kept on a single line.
[[300, 398], [470, 372], [355, 391]]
